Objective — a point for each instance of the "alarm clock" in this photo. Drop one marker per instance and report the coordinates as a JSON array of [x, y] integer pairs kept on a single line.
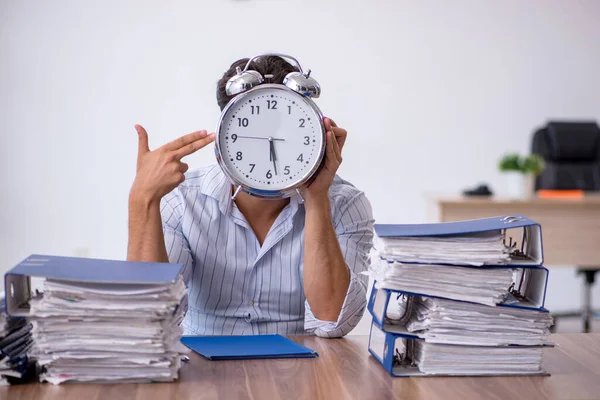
[[271, 138]]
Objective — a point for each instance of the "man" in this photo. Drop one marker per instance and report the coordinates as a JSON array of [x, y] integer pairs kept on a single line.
[[254, 266]]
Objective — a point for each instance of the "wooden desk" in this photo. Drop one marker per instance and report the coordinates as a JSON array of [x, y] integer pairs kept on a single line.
[[345, 370], [570, 228]]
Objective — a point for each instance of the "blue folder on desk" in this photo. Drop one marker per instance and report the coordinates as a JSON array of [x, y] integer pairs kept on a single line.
[[527, 234], [246, 347]]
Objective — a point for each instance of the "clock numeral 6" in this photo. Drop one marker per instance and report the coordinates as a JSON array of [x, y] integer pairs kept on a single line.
[[238, 155], [302, 121], [286, 170], [306, 140], [243, 122], [252, 167], [269, 174]]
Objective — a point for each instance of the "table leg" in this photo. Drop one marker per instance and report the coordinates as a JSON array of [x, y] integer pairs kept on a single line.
[[586, 313]]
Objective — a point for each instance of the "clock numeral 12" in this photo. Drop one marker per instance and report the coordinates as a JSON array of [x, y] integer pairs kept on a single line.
[[272, 104]]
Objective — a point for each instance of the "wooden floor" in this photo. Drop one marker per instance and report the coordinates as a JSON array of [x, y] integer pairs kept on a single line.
[[345, 370]]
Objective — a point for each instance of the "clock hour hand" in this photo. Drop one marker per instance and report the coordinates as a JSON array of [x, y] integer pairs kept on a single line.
[[273, 156]]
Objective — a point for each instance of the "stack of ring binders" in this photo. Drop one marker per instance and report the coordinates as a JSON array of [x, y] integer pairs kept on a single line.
[[463, 298]]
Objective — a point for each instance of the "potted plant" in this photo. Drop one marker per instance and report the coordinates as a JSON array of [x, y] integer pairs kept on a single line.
[[520, 172]]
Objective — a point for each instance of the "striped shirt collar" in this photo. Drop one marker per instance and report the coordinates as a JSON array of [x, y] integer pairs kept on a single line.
[[218, 186]]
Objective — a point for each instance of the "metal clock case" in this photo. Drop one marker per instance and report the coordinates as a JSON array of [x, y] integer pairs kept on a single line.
[[271, 137]]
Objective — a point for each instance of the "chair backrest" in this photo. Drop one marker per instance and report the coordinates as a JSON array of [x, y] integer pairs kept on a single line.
[[571, 151]]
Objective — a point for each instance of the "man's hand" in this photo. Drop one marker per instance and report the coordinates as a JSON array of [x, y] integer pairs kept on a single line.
[[336, 137], [160, 171]]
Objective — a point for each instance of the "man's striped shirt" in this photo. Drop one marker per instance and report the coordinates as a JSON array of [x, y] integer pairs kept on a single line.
[[238, 287]]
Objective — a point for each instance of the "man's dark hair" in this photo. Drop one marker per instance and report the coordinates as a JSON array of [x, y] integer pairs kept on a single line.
[[273, 65]]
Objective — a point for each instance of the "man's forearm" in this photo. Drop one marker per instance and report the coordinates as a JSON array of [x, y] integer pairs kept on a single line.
[[146, 240], [326, 276]]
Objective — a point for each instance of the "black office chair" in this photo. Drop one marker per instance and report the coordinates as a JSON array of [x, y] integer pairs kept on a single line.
[[571, 151]]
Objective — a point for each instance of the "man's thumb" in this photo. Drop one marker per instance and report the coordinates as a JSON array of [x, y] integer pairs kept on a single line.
[[143, 140]]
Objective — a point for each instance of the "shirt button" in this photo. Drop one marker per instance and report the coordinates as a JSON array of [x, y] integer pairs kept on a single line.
[[247, 317], [250, 303]]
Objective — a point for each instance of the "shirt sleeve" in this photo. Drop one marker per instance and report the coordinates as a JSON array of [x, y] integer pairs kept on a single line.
[[354, 229], [178, 248]]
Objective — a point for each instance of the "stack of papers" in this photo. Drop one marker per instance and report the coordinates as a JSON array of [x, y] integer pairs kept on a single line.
[[461, 298], [108, 332], [488, 286], [15, 343], [476, 249], [450, 322], [447, 359]]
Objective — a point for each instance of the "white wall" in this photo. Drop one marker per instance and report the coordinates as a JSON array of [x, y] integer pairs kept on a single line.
[[431, 92]]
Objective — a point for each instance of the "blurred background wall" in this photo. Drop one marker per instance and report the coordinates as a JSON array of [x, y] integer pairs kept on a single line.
[[432, 93]]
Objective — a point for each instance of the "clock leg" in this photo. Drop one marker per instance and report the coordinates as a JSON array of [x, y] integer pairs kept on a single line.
[[300, 195], [237, 191]]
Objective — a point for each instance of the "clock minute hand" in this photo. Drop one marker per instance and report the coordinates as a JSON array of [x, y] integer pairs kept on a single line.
[[273, 156], [259, 137]]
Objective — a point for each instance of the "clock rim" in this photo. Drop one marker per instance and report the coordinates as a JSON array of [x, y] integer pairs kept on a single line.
[[287, 191]]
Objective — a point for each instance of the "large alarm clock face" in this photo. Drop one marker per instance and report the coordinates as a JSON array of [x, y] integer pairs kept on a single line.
[[271, 138]]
